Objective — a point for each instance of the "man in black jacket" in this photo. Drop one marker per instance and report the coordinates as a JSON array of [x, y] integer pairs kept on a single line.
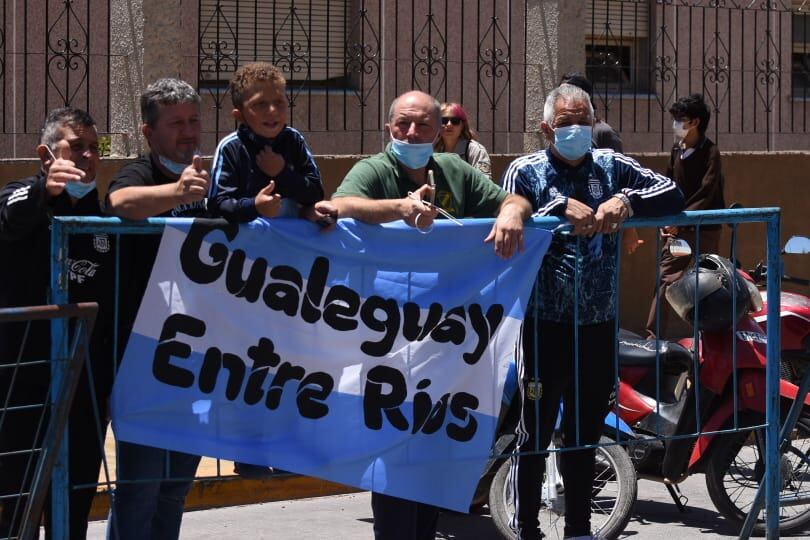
[[169, 181], [64, 186]]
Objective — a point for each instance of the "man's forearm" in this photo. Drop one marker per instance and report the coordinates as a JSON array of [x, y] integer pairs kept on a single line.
[[142, 202], [517, 204], [368, 210]]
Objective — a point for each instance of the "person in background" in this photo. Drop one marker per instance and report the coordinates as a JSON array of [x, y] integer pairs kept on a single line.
[[694, 164], [457, 136]]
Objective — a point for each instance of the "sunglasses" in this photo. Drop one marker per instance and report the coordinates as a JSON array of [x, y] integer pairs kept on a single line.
[[451, 119]]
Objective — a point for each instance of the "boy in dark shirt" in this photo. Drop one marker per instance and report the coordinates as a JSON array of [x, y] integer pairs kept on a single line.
[[264, 168], [694, 165]]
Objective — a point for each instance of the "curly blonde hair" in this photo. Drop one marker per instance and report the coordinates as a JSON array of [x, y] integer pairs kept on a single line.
[[248, 75]]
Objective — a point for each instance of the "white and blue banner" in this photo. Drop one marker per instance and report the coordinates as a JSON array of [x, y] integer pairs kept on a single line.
[[373, 356]]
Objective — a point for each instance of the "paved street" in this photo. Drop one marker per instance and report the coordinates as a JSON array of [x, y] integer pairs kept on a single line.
[[348, 517]]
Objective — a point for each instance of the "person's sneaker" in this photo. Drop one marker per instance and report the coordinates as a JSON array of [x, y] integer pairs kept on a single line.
[[253, 472]]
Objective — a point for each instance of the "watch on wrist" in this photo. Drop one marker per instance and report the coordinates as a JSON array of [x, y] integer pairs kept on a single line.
[[626, 201]]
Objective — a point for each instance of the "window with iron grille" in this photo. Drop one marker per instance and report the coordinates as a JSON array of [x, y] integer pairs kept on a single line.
[[305, 38], [617, 45], [800, 70]]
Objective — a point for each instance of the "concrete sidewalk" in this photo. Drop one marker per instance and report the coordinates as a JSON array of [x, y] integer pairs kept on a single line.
[[348, 517], [219, 486]]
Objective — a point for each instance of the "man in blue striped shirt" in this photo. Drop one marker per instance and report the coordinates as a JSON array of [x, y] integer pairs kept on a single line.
[[595, 190]]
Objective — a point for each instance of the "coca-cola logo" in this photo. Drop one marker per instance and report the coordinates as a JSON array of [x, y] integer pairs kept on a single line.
[[81, 270]]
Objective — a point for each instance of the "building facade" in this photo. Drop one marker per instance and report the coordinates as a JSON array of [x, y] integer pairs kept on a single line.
[[345, 61]]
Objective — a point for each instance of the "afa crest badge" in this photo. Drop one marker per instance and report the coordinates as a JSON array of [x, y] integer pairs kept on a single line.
[[595, 188], [101, 243], [534, 390]]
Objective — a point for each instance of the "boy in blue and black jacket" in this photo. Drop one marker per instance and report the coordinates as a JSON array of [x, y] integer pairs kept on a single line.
[[265, 167]]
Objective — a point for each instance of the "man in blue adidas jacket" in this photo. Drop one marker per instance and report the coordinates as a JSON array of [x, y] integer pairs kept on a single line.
[[595, 190]]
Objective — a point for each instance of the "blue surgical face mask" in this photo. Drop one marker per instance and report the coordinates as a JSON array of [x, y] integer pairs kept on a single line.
[[412, 155], [77, 190], [573, 142], [172, 166]]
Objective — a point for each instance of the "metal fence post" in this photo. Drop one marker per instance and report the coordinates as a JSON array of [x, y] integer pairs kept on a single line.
[[60, 482], [772, 472]]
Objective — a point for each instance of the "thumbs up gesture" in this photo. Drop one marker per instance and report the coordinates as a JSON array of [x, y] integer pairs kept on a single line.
[[193, 183], [268, 204]]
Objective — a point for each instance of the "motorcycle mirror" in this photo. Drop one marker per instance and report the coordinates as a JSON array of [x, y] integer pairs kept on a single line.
[[678, 247], [798, 245]]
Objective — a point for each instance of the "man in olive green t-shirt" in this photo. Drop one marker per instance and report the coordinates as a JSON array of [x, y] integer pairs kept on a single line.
[[392, 185], [376, 188]]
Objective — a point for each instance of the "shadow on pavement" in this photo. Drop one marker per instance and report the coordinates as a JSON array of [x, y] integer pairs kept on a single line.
[[477, 526], [457, 526], [656, 512], [647, 512], [647, 521]]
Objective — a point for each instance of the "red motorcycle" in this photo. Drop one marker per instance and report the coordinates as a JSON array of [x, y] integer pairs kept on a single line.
[[668, 402]]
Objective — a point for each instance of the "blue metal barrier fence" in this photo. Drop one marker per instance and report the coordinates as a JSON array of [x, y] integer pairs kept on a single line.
[[31, 450], [63, 227]]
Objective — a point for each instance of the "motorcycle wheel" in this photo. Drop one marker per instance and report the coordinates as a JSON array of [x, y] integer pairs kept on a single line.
[[615, 490], [736, 468]]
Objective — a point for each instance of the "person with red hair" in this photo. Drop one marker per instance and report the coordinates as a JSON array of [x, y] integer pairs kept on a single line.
[[457, 136]]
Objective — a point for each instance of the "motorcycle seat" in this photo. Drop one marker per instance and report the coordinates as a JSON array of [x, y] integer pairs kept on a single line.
[[642, 353]]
